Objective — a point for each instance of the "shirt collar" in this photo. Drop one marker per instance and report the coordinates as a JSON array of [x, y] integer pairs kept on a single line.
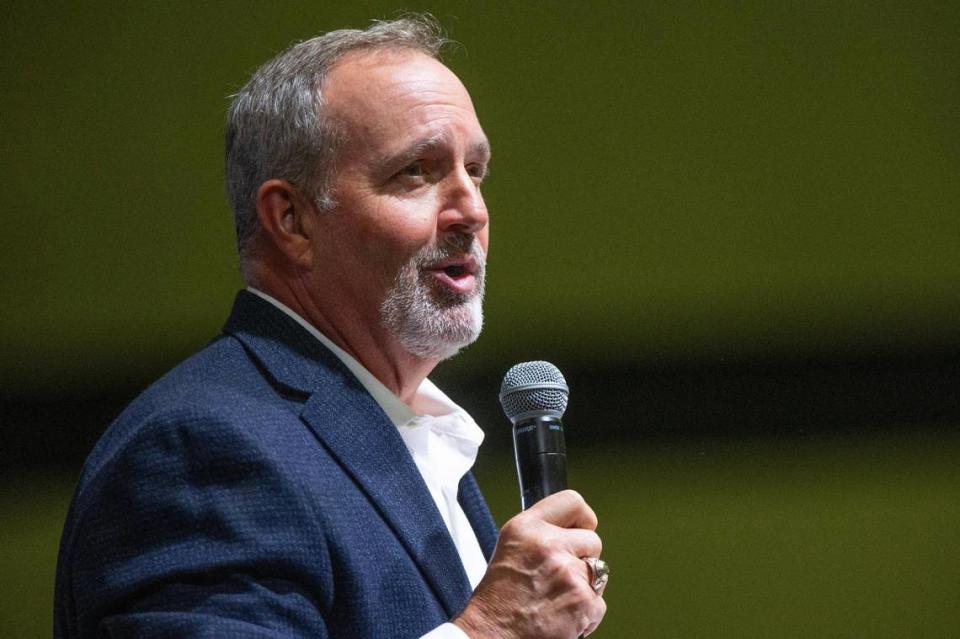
[[428, 400]]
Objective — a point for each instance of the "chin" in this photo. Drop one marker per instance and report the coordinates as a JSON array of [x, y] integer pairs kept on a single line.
[[441, 334]]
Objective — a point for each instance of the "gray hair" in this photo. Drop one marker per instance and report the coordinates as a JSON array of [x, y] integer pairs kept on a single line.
[[276, 127]]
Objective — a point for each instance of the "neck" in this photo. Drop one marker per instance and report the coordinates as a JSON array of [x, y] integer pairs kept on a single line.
[[376, 350]]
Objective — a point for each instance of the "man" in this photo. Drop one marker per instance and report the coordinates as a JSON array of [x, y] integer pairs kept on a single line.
[[299, 476]]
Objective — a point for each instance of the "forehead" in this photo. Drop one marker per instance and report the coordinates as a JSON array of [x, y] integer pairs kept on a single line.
[[384, 98]]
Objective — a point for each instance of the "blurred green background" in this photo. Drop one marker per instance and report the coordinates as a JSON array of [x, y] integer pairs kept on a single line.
[[733, 225]]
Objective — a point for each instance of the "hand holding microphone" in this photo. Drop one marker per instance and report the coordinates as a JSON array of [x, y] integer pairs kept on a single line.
[[544, 580], [534, 397]]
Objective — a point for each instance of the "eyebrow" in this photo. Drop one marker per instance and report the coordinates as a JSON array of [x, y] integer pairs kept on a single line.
[[426, 145]]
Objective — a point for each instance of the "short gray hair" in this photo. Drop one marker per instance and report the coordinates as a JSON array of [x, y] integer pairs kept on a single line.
[[276, 127]]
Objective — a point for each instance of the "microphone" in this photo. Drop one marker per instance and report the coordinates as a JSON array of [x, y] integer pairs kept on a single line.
[[534, 396]]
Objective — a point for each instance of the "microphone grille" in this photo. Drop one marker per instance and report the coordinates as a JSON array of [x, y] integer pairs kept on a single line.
[[533, 389]]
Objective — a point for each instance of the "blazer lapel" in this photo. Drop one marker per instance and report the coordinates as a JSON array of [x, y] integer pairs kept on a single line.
[[478, 514], [360, 435], [355, 429]]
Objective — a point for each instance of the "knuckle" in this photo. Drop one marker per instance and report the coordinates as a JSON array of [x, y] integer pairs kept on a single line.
[[551, 541], [542, 555], [573, 573], [584, 622], [591, 517], [509, 529], [601, 609], [574, 496], [596, 542], [519, 527], [553, 564], [586, 596], [576, 501], [545, 542]]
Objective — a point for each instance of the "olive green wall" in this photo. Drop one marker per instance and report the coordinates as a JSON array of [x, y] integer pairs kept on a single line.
[[679, 191], [670, 181]]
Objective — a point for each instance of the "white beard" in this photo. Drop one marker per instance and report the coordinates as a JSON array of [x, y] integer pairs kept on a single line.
[[429, 320]]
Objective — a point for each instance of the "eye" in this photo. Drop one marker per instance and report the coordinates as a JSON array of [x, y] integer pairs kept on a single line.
[[415, 170], [479, 172]]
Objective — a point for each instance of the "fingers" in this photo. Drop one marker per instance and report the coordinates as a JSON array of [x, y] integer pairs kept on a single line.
[[566, 509], [574, 592], [599, 609], [537, 585], [545, 538], [571, 524], [581, 543], [567, 588]]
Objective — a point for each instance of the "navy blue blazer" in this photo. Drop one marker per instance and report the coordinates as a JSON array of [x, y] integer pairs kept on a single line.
[[257, 490]]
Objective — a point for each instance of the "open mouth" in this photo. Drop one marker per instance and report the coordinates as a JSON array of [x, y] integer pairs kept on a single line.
[[459, 267], [455, 270], [459, 276]]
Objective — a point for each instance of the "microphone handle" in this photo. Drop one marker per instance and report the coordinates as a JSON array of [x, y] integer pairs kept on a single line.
[[541, 456]]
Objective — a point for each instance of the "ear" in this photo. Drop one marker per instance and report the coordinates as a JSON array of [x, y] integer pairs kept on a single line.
[[282, 211]]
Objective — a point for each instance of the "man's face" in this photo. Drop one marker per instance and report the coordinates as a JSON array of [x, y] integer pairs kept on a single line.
[[406, 242]]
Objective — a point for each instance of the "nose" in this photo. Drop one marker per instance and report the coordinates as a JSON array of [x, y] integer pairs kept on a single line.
[[462, 209]]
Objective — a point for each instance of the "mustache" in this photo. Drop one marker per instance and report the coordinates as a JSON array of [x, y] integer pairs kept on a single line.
[[452, 246]]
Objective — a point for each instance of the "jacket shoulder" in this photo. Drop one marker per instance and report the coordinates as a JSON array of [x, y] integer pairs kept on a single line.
[[219, 384], [197, 479]]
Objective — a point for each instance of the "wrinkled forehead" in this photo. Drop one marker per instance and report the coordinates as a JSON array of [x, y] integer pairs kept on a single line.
[[372, 93]]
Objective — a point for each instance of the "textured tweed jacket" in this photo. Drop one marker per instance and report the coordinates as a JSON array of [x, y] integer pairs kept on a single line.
[[257, 490]]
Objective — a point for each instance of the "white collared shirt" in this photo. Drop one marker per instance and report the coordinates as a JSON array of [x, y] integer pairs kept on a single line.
[[442, 439]]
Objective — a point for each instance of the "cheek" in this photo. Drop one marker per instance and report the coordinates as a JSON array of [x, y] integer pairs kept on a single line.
[[402, 229], [391, 242], [483, 237]]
